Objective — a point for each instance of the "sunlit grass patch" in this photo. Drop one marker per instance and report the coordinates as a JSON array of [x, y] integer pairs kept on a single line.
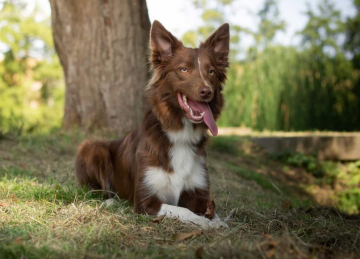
[[25, 187], [341, 179]]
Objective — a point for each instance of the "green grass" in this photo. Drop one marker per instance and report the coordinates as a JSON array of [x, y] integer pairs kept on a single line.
[[247, 174], [44, 214], [343, 178]]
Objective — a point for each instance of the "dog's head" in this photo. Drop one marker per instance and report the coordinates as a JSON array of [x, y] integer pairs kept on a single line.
[[188, 82]]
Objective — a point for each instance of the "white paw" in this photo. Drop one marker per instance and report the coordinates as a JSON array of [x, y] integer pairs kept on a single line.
[[202, 222], [186, 216], [205, 223], [216, 218], [218, 224]]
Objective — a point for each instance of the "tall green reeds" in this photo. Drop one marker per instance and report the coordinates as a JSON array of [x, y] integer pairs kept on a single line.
[[284, 88]]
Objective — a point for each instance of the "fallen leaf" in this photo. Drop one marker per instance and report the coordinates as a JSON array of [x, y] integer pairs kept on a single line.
[[158, 219], [184, 236], [5, 204], [272, 244], [270, 253], [266, 236], [18, 240], [287, 205], [199, 252]]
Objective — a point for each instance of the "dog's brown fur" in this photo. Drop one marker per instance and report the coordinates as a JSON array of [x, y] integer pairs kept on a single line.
[[120, 166]]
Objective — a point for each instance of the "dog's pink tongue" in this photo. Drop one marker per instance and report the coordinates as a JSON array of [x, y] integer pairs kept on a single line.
[[209, 120], [208, 116]]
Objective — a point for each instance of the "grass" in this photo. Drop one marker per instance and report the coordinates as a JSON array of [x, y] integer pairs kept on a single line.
[[342, 178], [267, 202]]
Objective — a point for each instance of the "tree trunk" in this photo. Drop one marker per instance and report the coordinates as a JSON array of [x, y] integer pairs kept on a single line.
[[102, 46]]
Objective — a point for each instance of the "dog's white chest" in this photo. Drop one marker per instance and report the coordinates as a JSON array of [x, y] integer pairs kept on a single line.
[[188, 169]]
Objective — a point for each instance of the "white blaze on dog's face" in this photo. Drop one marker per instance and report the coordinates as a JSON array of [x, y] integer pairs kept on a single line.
[[193, 77]]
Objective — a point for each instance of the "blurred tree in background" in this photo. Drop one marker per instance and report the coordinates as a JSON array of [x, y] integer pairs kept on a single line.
[[270, 23], [330, 78], [102, 47], [31, 88], [213, 15], [353, 36]]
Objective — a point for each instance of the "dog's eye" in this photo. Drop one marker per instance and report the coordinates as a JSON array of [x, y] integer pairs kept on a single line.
[[211, 72], [183, 69]]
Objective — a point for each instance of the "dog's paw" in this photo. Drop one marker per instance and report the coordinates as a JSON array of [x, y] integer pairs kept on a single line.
[[187, 216], [202, 222], [218, 224], [205, 223]]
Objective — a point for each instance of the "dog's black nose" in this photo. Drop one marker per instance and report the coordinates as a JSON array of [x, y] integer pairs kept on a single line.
[[205, 92]]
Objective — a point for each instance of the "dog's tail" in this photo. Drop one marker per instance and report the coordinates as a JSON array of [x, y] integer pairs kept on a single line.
[[94, 166]]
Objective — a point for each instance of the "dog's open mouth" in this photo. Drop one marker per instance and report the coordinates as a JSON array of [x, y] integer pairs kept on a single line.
[[198, 112]]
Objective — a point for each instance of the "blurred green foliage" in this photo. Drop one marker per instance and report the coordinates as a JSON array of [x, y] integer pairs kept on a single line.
[[313, 166], [31, 80], [349, 198], [353, 35], [312, 86], [344, 178]]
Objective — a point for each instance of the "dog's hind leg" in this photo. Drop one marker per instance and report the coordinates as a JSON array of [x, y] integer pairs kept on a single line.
[[94, 166]]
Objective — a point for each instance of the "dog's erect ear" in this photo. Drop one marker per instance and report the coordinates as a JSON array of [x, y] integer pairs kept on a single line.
[[218, 44], [162, 43]]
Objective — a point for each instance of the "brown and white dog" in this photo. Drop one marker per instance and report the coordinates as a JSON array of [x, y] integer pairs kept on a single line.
[[161, 167]]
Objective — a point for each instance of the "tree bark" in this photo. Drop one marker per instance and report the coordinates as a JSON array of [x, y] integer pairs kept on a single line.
[[102, 46]]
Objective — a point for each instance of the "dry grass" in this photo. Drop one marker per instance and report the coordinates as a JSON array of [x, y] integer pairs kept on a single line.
[[43, 213]]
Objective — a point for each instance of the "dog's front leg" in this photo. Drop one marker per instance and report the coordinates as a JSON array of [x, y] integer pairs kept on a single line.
[[150, 205], [196, 201], [153, 206]]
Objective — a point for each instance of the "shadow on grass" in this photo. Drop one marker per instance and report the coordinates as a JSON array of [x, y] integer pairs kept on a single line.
[[246, 159], [293, 176], [15, 251], [14, 242], [36, 241]]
